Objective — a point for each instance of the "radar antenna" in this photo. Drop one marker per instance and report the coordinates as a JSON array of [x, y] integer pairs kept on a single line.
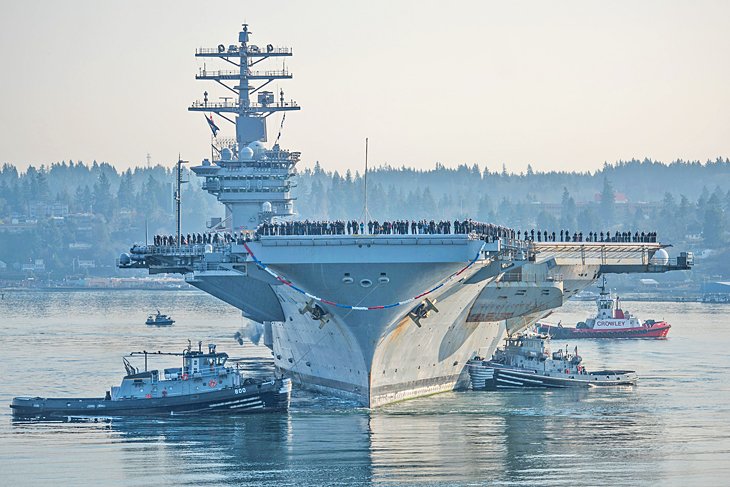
[[253, 181]]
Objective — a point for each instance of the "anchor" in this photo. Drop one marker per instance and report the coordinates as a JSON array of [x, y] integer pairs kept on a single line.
[[422, 311], [316, 312]]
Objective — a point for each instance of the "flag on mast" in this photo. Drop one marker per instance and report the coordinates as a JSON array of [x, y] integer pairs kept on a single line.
[[213, 127]]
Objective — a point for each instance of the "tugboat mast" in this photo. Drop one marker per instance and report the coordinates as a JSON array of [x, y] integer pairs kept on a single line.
[[603, 286]]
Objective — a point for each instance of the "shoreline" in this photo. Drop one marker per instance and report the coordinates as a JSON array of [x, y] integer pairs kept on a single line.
[[693, 298], [81, 289]]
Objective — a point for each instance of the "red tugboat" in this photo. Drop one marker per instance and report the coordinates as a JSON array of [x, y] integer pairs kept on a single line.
[[610, 322]]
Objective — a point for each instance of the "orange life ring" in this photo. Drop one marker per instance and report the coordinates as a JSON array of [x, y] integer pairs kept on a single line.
[[184, 377], [212, 383]]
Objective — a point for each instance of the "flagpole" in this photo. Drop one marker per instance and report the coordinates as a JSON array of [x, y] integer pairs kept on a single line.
[[178, 196], [366, 217], [366, 177]]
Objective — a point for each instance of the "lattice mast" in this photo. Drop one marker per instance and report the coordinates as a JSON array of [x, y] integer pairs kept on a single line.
[[253, 181]]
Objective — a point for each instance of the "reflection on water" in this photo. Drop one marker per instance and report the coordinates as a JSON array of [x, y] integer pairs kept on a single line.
[[672, 429]]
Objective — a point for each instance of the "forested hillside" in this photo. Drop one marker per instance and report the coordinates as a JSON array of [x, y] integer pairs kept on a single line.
[[70, 211]]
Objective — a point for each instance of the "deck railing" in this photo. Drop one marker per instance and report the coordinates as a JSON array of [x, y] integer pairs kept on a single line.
[[531, 278]]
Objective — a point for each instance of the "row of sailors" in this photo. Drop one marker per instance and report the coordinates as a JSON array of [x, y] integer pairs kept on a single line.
[[565, 236], [402, 227], [202, 238], [396, 227]]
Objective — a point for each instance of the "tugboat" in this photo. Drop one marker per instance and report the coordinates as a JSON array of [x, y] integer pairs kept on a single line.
[[610, 322], [159, 320], [204, 384], [526, 362]]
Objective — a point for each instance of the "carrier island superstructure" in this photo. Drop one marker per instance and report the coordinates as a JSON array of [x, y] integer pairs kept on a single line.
[[375, 318]]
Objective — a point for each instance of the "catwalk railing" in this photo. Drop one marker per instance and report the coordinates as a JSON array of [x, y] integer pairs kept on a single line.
[[598, 252]]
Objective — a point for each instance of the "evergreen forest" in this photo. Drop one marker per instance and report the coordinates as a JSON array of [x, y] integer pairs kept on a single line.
[[66, 213]]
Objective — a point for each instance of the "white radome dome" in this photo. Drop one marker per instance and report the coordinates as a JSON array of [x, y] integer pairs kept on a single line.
[[266, 207], [226, 154], [246, 154], [258, 148], [660, 257]]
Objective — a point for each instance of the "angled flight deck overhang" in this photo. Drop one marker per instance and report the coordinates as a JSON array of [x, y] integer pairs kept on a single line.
[[615, 257]]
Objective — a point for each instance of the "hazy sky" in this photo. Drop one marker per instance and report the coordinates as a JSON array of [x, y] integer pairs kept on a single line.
[[560, 85]]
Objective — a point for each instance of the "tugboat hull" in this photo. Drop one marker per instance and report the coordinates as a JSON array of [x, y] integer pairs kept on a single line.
[[490, 377], [159, 323], [263, 397], [657, 330]]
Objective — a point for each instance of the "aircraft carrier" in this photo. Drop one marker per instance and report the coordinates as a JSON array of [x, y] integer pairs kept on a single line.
[[376, 318]]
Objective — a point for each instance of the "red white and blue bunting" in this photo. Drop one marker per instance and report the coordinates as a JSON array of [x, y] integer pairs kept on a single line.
[[360, 308]]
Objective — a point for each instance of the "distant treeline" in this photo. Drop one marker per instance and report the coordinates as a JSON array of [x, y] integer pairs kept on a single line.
[[676, 199]]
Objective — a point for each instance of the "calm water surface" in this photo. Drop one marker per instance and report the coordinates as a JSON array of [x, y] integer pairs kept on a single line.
[[672, 429]]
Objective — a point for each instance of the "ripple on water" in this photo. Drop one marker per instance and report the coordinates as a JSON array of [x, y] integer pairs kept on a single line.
[[672, 429]]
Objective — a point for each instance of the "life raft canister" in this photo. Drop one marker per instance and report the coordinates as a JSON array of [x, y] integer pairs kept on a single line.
[[212, 383]]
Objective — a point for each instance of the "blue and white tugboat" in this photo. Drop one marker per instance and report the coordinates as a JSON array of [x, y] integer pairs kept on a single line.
[[203, 384], [526, 361], [159, 320]]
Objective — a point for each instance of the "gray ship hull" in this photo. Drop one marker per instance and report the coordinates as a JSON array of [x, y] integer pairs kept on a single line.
[[378, 356], [270, 397]]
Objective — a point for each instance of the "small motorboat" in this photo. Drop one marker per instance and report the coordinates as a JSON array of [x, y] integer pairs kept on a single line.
[[203, 384], [609, 322], [159, 319], [527, 362]]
